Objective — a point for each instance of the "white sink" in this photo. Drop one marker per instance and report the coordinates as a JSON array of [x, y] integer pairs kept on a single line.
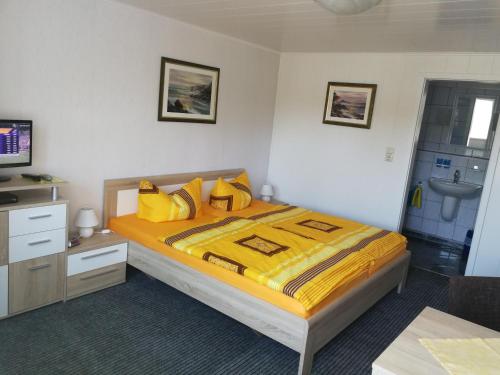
[[453, 193], [462, 190]]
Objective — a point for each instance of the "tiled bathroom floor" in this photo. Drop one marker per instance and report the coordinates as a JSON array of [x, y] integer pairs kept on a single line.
[[435, 257]]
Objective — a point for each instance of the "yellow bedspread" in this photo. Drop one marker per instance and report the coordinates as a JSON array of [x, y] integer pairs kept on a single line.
[[295, 264]]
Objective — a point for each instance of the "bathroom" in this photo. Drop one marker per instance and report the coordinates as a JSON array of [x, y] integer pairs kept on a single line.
[[452, 155]]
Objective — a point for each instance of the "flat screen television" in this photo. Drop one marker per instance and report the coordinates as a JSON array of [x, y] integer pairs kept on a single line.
[[15, 144]]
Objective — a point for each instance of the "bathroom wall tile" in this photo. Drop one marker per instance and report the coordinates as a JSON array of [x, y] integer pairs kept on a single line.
[[460, 150], [440, 95], [474, 177], [413, 223], [444, 116], [439, 115], [459, 161], [432, 210], [445, 134], [425, 156], [429, 226], [418, 212], [459, 233], [445, 229], [422, 170], [433, 134], [439, 172], [466, 216], [433, 196], [433, 114], [471, 203], [431, 146], [480, 163], [445, 147], [479, 153]]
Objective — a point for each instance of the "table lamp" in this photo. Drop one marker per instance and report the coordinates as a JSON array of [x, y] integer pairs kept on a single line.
[[266, 192], [86, 220]]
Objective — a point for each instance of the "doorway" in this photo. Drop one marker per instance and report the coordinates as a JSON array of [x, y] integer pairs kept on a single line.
[[457, 130]]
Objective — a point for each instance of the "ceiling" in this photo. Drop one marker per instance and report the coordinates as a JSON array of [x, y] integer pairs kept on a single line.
[[304, 26]]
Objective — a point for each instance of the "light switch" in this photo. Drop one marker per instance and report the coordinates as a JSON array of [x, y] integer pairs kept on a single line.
[[389, 154]]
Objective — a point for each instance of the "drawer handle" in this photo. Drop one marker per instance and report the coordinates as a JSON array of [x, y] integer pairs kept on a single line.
[[39, 242], [41, 266], [100, 254], [98, 274], [43, 216]]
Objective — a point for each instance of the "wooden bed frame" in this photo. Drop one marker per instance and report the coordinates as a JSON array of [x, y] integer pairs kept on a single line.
[[306, 336]]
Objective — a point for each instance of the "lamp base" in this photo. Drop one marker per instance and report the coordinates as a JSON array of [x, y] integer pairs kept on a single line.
[[266, 198], [86, 232]]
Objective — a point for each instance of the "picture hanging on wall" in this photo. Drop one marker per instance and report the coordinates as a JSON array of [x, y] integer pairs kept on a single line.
[[349, 104], [188, 92]]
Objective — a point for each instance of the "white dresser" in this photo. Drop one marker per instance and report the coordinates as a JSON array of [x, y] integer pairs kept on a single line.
[[33, 242]]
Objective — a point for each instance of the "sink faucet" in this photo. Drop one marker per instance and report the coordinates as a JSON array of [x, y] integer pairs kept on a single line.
[[456, 176]]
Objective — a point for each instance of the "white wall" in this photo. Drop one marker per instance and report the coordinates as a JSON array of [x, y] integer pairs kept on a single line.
[[341, 170], [87, 73]]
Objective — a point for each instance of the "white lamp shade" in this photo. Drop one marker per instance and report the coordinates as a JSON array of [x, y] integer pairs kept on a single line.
[[348, 6], [267, 190], [86, 218]]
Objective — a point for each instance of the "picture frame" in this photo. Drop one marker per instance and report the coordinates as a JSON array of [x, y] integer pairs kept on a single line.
[[349, 104], [188, 92]]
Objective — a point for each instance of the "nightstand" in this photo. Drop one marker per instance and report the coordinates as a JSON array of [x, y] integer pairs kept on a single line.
[[97, 263]]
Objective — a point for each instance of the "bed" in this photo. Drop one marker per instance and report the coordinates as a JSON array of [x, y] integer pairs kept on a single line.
[[269, 312]]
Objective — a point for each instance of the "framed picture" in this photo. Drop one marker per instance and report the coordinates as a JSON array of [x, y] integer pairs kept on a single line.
[[349, 104], [188, 92]]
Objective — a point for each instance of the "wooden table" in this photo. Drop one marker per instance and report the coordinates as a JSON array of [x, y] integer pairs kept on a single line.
[[406, 356]]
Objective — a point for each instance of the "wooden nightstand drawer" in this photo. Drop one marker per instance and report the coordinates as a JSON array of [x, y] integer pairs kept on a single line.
[[94, 259], [37, 219], [36, 282], [91, 281], [36, 245], [4, 290]]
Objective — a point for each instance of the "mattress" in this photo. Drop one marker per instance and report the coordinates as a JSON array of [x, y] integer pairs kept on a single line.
[[147, 234]]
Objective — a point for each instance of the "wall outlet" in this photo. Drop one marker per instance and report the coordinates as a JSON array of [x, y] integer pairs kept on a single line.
[[389, 154]]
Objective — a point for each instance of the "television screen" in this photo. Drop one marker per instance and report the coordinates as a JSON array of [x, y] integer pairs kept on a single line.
[[15, 143]]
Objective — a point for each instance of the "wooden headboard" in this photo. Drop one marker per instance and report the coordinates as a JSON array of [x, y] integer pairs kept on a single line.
[[120, 195]]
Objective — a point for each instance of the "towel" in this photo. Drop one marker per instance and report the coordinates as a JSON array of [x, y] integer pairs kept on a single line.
[[416, 200], [466, 356]]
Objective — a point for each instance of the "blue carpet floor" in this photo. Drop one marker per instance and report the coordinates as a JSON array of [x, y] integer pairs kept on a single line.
[[146, 327]]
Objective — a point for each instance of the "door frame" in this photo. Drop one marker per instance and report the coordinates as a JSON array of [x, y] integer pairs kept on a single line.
[[490, 171]]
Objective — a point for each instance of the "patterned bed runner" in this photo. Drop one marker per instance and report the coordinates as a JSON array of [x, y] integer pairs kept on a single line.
[[292, 263]]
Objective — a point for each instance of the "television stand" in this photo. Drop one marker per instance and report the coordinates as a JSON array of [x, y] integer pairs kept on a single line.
[[5, 178], [18, 184]]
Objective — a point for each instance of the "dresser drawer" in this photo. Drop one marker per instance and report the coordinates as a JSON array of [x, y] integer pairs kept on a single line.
[[91, 281], [36, 245], [37, 219], [91, 260], [4, 290], [36, 282]]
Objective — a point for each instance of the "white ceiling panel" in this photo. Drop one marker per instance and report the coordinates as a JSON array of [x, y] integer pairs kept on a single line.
[[304, 26]]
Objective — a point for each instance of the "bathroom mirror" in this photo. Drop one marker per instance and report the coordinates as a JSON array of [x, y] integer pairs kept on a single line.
[[472, 121]]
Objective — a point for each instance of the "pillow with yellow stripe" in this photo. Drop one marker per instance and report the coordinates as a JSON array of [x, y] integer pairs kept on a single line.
[[233, 195], [156, 206]]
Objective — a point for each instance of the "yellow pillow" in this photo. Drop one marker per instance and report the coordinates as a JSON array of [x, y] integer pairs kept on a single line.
[[233, 195], [156, 206]]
